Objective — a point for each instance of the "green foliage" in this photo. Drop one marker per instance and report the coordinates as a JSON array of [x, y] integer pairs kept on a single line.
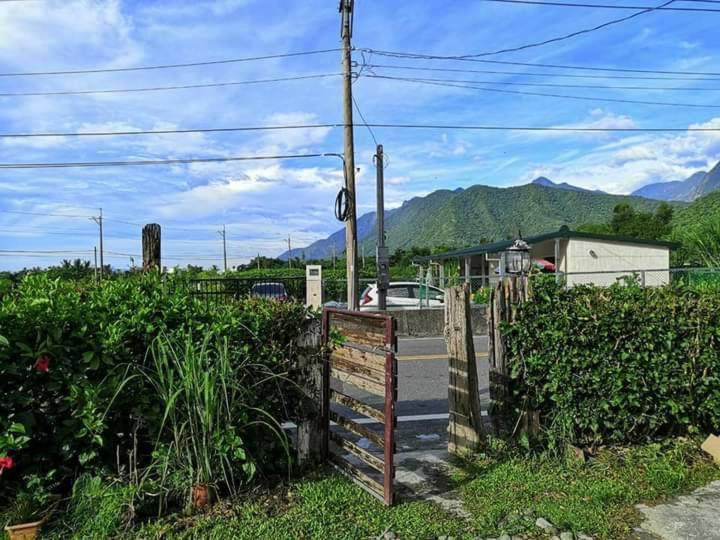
[[90, 337], [97, 509], [33, 502], [629, 222], [617, 364], [323, 508], [505, 494], [482, 295]]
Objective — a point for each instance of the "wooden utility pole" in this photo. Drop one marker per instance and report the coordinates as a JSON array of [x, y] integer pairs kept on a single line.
[[223, 234], [346, 14], [99, 220], [465, 424], [151, 247], [381, 253]]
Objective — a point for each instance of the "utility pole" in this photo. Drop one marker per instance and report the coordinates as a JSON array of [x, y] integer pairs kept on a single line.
[[346, 14], [258, 261], [96, 268], [289, 253], [222, 233], [99, 221], [334, 257], [382, 259]]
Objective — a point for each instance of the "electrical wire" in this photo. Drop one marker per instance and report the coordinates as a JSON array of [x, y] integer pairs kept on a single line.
[[419, 56], [164, 88], [169, 131], [43, 214], [589, 86], [169, 66], [541, 94], [567, 36], [541, 74], [362, 117], [78, 164], [601, 6]]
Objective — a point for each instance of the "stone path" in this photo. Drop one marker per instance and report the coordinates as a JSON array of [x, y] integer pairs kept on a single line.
[[688, 517]]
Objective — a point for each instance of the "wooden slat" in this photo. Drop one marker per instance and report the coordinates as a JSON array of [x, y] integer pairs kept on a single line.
[[370, 459], [364, 359], [361, 331], [374, 387], [373, 487], [358, 429], [357, 406]]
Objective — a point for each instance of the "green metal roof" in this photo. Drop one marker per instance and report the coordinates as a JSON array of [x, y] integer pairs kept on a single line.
[[564, 232]]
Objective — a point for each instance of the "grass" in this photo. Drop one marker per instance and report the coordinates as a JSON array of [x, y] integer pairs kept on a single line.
[[325, 507], [503, 491], [597, 497]]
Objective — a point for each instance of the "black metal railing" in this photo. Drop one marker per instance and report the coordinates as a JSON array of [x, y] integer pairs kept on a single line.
[[231, 289]]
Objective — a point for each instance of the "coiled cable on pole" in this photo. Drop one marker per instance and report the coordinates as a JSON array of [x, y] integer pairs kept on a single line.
[[342, 205]]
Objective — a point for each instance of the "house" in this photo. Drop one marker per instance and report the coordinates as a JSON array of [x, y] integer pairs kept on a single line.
[[578, 257]]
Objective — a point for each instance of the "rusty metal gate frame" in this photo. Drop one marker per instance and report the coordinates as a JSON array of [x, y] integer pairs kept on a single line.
[[362, 351]]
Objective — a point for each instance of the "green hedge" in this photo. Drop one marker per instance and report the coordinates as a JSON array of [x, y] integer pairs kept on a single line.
[[617, 364], [66, 347]]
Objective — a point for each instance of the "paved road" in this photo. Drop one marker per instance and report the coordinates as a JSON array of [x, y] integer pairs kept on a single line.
[[422, 406]]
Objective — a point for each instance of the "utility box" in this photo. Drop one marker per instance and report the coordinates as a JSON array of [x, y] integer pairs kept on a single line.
[[313, 286]]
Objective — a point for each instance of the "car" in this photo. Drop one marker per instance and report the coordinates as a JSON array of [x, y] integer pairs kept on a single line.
[[403, 295], [269, 289]]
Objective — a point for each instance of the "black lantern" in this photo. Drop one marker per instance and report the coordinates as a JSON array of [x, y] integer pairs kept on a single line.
[[517, 257]]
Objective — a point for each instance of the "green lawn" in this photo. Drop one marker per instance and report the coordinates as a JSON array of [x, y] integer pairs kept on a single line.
[[504, 491]]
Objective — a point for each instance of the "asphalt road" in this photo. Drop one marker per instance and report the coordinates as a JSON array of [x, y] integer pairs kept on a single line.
[[422, 406]]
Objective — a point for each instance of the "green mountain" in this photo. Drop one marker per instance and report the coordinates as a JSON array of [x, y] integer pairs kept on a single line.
[[704, 210], [466, 217]]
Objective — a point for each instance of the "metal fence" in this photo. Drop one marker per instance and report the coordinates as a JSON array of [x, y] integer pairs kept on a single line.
[[231, 289]]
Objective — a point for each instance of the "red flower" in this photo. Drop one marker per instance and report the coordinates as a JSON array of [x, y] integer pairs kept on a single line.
[[42, 364], [6, 463]]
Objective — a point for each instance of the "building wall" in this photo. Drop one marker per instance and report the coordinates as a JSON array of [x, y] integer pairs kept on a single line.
[[617, 259]]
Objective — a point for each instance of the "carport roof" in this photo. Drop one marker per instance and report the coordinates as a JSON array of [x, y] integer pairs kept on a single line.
[[563, 232]]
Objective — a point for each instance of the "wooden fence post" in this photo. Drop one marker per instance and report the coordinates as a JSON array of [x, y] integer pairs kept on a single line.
[[311, 430], [465, 419], [151, 246], [504, 299]]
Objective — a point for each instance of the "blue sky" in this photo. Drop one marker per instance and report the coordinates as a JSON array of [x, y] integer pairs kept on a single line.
[[262, 202]]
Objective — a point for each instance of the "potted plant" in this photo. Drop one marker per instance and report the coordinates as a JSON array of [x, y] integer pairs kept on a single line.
[[30, 508]]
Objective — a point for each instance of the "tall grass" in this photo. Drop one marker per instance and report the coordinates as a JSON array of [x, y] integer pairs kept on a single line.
[[205, 392]]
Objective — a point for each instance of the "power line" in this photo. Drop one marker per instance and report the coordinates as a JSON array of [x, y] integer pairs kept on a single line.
[[541, 74], [466, 58], [169, 66], [362, 117], [168, 131], [156, 161], [542, 94], [567, 36], [163, 88], [602, 6], [43, 214], [590, 86]]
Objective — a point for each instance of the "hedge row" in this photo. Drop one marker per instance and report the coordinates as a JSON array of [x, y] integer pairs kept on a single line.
[[617, 364], [65, 347]]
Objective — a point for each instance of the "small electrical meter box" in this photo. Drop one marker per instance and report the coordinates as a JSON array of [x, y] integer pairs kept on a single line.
[[313, 280]]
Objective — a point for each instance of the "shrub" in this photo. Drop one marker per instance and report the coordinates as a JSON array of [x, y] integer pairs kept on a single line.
[[70, 345], [617, 364]]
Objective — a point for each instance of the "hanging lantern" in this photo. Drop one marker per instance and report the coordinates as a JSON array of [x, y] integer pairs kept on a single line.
[[517, 257]]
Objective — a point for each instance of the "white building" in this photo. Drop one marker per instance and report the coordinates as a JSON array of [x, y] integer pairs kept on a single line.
[[577, 256]]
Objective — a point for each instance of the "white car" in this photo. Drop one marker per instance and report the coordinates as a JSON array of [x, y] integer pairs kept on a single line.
[[403, 295]]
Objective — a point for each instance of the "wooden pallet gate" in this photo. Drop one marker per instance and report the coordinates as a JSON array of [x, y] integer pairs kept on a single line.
[[361, 360]]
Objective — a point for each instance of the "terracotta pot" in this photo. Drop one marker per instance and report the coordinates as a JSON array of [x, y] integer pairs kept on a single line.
[[23, 531], [202, 496]]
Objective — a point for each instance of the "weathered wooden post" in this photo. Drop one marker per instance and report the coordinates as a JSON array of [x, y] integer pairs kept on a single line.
[[504, 299], [465, 422], [311, 431], [151, 247]]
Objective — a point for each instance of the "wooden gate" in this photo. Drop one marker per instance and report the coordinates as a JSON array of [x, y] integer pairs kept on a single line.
[[360, 365]]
